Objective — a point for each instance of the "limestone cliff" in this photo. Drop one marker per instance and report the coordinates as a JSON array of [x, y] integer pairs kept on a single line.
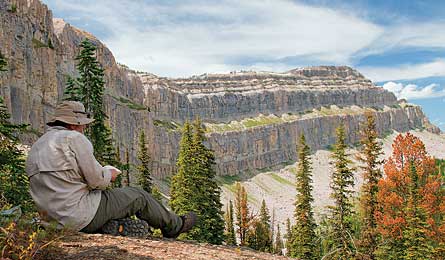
[[41, 54]]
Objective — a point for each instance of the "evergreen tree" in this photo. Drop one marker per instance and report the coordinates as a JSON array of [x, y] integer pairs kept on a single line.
[[369, 157], [199, 192], [242, 212], [303, 244], [230, 229], [14, 184], [258, 235], [341, 213], [156, 193], [72, 90], [416, 243], [126, 168], [278, 242], [145, 180], [289, 237], [118, 181], [92, 85], [182, 187], [266, 239]]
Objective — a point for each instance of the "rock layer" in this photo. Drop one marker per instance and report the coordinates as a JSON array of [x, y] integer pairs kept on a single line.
[[41, 54]]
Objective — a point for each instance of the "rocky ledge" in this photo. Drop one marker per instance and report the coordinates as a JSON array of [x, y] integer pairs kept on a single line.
[[225, 97], [83, 246]]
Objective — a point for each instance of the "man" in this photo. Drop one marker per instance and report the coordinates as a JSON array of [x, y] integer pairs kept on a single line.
[[68, 184]]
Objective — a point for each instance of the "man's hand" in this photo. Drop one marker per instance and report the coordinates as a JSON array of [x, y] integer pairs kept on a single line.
[[114, 174]]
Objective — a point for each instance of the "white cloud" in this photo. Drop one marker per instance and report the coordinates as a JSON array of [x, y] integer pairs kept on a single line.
[[193, 37], [434, 68], [411, 91]]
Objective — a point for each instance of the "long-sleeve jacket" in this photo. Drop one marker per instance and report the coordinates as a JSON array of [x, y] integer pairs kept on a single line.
[[65, 178]]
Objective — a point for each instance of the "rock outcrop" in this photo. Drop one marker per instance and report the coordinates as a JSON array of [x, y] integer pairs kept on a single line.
[[226, 97], [41, 54]]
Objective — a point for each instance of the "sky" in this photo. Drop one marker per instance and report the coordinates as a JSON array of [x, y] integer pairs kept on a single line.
[[398, 44]]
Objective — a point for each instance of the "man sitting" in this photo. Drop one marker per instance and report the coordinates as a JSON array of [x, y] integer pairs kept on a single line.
[[68, 184]]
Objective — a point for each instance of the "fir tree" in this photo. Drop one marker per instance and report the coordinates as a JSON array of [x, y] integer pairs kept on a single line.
[[278, 247], [416, 243], [288, 236], [14, 184], [145, 180], [92, 85], [156, 193], [126, 168], [72, 90], [230, 229], [266, 239], [257, 235], [303, 244], [118, 181], [242, 212], [369, 157], [194, 187], [341, 213]]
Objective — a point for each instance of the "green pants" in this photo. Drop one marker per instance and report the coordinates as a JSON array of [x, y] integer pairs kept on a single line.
[[128, 201]]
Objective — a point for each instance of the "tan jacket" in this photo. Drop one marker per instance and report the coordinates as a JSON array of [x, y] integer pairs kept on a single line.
[[65, 178]]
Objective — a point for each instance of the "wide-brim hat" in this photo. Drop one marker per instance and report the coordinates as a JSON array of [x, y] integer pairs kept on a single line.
[[71, 112]]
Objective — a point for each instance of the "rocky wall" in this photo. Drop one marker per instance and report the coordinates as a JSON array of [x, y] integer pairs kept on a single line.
[[268, 146]]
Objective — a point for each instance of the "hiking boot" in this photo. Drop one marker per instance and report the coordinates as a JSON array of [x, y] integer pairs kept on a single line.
[[188, 221], [127, 227]]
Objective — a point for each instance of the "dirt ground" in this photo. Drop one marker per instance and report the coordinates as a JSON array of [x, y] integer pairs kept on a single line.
[[103, 247]]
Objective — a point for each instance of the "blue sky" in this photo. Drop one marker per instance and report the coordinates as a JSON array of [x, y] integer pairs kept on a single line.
[[400, 45]]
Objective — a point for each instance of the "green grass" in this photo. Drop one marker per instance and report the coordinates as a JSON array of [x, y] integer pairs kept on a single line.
[[132, 105], [281, 179], [38, 44], [260, 121], [169, 125]]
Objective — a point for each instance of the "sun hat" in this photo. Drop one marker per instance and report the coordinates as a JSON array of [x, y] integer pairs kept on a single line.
[[71, 112]]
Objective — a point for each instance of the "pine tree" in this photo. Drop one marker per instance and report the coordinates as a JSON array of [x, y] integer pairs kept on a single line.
[[369, 157], [278, 242], [242, 212], [415, 239], [92, 85], [14, 184], [289, 237], [303, 244], [230, 229], [72, 90], [266, 239], [126, 168], [258, 236], [156, 193], [341, 213], [118, 181], [182, 187], [145, 180], [199, 192]]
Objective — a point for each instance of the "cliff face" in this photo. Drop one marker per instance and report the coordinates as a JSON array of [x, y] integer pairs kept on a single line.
[[226, 97], [41, 54]]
